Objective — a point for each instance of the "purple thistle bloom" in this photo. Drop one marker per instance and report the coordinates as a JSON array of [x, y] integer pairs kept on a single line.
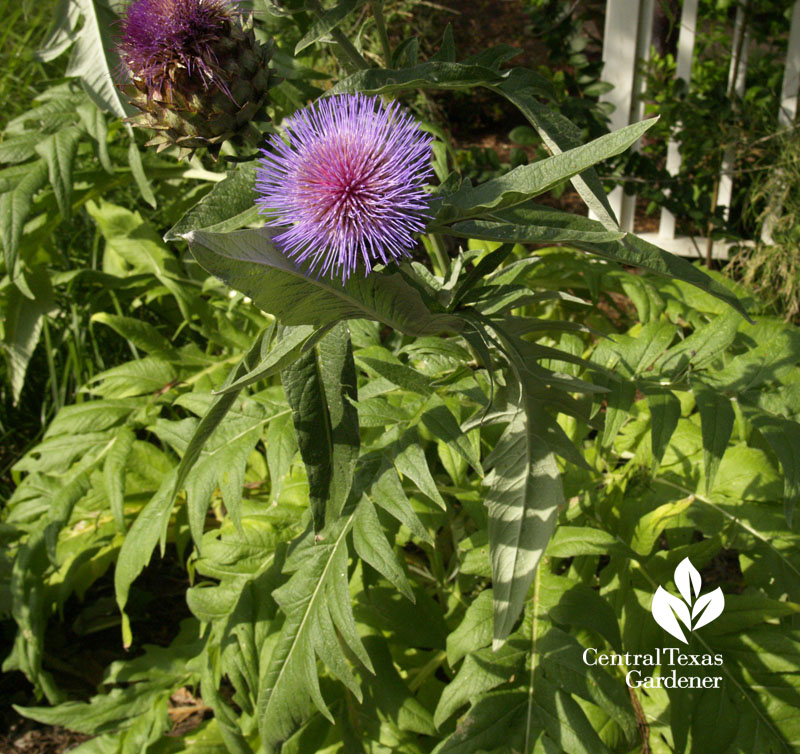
[[161, 37], [348, 182]]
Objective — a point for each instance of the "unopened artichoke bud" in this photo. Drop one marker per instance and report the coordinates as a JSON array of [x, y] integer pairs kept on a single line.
[[199, 76]]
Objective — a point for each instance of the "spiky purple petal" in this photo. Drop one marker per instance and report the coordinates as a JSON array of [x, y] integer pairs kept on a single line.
[[348, 181], [159, 37]]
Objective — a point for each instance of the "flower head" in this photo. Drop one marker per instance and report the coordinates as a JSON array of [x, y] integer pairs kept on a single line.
[[199, 75], [161, 37], [348, 181]]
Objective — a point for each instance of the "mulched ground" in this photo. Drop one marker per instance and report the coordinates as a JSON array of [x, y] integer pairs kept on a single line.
[[27, 737]]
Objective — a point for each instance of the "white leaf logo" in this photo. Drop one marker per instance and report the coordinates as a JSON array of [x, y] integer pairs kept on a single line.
[[667, 609]]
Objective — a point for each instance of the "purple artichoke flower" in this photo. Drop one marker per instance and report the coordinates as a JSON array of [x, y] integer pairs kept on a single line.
[[161, 36], [348, 181]]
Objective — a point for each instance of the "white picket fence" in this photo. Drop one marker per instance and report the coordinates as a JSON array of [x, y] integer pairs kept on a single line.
[[627, 39]]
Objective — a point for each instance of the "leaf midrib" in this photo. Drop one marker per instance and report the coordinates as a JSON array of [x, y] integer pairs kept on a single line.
[[310, 605]]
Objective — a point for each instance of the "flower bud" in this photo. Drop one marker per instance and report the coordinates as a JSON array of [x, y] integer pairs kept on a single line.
[[198, 75]]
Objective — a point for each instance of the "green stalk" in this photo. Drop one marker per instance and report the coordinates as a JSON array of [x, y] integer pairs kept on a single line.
[[347, 47], [380, 25], [51, 365], [439, 253], [118, 310]]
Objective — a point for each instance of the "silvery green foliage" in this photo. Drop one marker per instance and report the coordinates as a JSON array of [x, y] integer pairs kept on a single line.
[[410, 502]]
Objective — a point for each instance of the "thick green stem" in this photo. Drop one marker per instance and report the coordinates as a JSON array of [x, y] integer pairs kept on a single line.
[[440, 257], [347, 47], [380, 25]]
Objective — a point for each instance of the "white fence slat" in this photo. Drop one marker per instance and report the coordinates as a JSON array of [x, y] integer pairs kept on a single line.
[[644, 37], [791, 73], [736, 80], [619, 57], [788, 109], [686, 39]]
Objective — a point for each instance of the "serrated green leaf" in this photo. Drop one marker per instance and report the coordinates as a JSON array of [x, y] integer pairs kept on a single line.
[[649, 527], [523, 497], [564, 666], [475, 630], [94, 122], [430, 75], [372, 547], [495, 717], [716, 422], [758, 366], [222, 458], [140, 333], [634, 251], [19, 148], [137, 548], [281, 445], [15, 207], [783, 436], [392, 695], [528, 181], [339, 382], [29, 610], [581, 606], [636, 354], [302, 383], [563, 719], [247, 261], [94, 58], [56, 454], [228, 206], [440, 422], [386, 491], [619, 399], [569, 541], [480, 672], [216, 412], [409, 460], [91, 416], [143, 376], [58, 150], [24, 319], [314, 599], [327, 21], [61, 33], [104, 712], [665, 410], [114, 473], [559, 135], [276, 354], [387, 365], [703, 345], [489, 230]]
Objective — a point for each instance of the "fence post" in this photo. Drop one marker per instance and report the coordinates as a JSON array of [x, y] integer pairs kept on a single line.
[[736, 80], [791, 73], [787, 111], [620, 54], [666, 228]]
